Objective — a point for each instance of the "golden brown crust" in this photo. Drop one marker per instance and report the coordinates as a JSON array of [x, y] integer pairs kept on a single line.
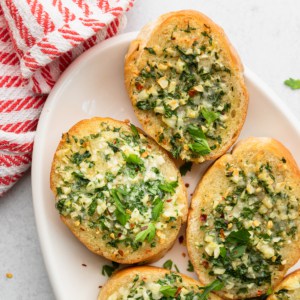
[[88, 236], [252, 148], [294, 279], [136, 56], [123, 277]]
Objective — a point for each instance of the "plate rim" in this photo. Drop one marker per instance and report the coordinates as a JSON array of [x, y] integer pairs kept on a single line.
[[75, 66]]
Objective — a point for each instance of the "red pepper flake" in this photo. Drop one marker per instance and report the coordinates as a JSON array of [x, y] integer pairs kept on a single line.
[[121, 252], [139, 86], [178, 291], [183, 254], [187, 185], [119, 234], [192, 93], [191, 194], [180, 239], [259, 293], [84, 265], [203, 218], [169, 200], [205, 264], [100, 286]]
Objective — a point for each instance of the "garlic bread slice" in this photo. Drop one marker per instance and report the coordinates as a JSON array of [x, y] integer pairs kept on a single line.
[[243, 224], [154, 283], [118, 191], [186, 85]]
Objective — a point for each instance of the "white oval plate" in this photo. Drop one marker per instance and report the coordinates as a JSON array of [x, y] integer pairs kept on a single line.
[[94, 86]]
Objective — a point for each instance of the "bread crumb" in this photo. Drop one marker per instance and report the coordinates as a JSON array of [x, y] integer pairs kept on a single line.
[[9, 275]]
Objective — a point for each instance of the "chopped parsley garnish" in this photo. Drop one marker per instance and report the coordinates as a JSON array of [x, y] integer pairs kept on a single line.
[[200, 144], [157, 209], [134, 159], [238, 251], [168, 264], [148, 233], [186, 167], [168, 291], [144, 105], [204, 33], [294, 84], [189, 29], [108, 270], [92, 207], [190, 267], [134, 131], [240, 237], [78, 158], [150, 50], [216, 285], [210, 116], [200, 147], [169, 187]]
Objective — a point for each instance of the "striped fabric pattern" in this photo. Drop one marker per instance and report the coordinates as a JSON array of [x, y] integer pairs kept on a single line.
[[38, 40]]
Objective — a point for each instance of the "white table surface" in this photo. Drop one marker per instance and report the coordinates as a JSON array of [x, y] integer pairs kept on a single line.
[[265, 33]]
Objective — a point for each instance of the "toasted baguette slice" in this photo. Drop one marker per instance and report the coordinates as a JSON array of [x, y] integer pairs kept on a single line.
[[186, 85], [118, 191], [134, 283], [243, 225], [288, 288]]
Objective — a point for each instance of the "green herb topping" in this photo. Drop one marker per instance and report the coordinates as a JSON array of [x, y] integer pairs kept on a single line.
[[111, 183], [187, 86], [294, 84], [249, 226]]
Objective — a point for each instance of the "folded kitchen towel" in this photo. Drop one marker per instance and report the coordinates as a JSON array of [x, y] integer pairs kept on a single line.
[[38, 40]]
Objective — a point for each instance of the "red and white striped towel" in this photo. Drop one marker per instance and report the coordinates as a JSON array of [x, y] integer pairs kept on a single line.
[[38, 40]]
